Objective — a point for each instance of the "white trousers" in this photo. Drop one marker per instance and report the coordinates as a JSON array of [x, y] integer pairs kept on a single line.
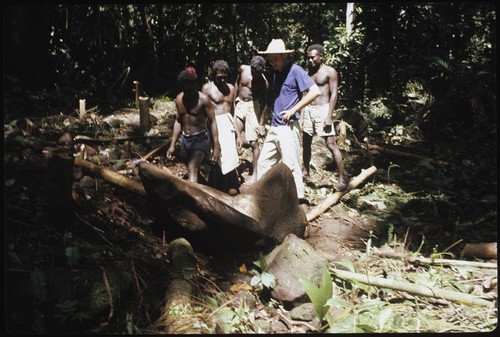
[[283, 144]]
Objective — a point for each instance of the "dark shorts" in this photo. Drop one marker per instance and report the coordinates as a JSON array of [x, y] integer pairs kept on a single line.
[[197, 142]]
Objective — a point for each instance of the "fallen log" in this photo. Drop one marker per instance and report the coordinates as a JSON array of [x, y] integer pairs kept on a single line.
[[85, 139], [111, 176], [412, 288], [381, 149], [487, 250], [335, 197], [265, 213]]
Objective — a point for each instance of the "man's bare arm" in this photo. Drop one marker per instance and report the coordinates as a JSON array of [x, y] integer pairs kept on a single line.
[[210, 111], [334, 86]]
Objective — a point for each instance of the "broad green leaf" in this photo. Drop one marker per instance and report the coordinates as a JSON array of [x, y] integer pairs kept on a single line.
[[268, 280], [383, 317]]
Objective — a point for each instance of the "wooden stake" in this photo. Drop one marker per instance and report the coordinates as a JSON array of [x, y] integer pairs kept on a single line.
[[145, 121], [136, 83], [82, 109]]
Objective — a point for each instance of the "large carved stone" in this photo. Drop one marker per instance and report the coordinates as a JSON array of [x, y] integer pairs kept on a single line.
[[263, 214]]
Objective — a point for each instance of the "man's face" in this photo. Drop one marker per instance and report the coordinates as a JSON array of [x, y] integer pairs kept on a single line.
[[314, 59], [220, 77], [190, 86], [254, 71], [277, 61]]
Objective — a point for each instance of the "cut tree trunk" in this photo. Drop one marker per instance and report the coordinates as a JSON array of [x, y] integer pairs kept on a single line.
[[266, 213], [145, 120]]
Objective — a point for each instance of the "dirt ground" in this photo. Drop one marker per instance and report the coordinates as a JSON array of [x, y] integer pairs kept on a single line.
[[54, 258]]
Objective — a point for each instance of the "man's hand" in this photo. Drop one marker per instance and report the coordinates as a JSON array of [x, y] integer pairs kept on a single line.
[[286, 115], [215, 153], [261, 131], [327, 124], [170, 153]]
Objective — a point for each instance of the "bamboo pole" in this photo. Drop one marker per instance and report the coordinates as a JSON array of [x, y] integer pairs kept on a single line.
[[412, 288]]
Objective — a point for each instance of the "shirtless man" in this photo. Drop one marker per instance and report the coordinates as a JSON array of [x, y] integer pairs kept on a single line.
[[194, 112], [317, 116], [224, 175], [250, 107]]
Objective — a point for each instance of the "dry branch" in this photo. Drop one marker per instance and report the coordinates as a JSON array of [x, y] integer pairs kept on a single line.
[[85, 139], [111, 176], [335, 197], [156, 149], [411, 288], [446, 262]]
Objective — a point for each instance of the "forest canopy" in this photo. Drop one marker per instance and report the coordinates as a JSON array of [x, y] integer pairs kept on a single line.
[[441, 52]]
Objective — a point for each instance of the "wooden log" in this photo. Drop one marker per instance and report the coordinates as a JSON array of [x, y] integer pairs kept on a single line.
[[267, 212], [86, 139], [111, 176], [486, 250], [335, 197], [411, 156], [145, 120]]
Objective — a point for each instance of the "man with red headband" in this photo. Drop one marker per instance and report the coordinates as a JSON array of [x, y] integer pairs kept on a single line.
[[194, 112]]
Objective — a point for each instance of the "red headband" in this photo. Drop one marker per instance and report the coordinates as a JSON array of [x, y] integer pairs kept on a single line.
[[191, 70]]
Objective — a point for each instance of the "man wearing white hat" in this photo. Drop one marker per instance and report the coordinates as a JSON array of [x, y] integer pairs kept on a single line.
[[288, 84]]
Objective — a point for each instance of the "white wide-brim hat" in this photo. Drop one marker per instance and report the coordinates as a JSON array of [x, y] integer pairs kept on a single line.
[[276, 46]]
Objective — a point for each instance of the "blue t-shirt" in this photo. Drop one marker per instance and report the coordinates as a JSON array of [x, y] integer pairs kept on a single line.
[[288, 85]]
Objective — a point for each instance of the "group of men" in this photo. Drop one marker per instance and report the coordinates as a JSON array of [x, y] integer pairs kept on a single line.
[[223, 117]]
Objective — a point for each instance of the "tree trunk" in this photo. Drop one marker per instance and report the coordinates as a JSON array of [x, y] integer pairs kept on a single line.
[[349, 17]]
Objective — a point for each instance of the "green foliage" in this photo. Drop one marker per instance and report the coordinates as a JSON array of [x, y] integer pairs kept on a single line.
[[69, 311], [319, 296], [38, 284], [263, 279], [97, 51], [72, 256], [372, 316]]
